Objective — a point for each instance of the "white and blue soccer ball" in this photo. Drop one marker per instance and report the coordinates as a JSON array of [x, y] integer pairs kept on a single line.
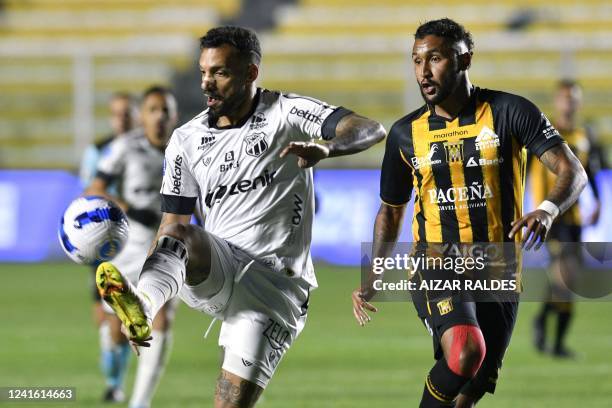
[[92, 230]]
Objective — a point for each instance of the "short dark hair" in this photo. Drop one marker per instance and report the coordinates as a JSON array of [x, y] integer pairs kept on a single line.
[[122, 95], [243, 39], [567, 83], [156, 89], [445, 28]]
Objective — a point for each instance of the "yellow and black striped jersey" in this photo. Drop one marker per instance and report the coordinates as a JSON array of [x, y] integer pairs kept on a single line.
[[468, 174], [542, 181]]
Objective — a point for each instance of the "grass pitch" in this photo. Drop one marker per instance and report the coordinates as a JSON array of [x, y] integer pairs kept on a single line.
[[48, 338]]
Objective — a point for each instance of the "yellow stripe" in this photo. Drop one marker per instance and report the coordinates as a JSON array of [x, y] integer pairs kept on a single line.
[[431, 212], [437, 394], [519, 157], [393, 205]]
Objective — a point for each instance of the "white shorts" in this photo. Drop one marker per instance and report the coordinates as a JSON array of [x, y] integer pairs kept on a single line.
[[262, 313]]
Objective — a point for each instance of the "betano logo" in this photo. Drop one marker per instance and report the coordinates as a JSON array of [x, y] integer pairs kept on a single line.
[[486, 139], [418, 162]]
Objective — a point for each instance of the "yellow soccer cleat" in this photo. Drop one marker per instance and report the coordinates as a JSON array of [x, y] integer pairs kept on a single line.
[[121, 296]]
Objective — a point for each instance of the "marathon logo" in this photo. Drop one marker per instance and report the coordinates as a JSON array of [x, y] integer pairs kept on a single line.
[[242, 186], [178, 173], [309, 116]]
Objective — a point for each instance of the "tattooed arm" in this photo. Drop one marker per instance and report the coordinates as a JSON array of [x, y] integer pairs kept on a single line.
[[571, 180], [387, 229], [354, 134]]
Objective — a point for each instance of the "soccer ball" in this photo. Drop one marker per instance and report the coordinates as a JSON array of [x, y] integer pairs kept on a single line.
[[92, 230]]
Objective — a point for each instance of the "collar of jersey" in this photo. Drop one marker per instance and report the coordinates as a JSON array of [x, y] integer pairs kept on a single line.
[[465, 108], [244, 120]]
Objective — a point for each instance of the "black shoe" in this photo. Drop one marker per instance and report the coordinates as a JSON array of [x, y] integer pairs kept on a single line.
[[113, 395], [564, 353], [539, 335]]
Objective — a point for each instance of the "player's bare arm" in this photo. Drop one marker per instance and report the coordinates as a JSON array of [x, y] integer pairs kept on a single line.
[[354, 134], [571, 180], [387, 228], [99, 187]]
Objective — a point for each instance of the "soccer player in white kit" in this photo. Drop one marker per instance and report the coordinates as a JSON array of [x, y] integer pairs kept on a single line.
[[251, 266], [135, 163]]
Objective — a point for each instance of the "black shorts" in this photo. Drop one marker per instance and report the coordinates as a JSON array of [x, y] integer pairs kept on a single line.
[[561, 241], [441, 310]]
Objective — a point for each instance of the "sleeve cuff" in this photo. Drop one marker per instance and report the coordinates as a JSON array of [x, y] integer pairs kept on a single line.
[[541, 148], [177, 204], [328, 128], [393, 203]]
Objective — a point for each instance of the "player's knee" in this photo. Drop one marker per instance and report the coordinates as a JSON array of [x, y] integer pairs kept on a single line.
[[175, 230], [467, 351]]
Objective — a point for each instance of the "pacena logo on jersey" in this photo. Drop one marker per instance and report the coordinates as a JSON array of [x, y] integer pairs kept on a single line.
[[473, 192], [178, 174], [242, 186]]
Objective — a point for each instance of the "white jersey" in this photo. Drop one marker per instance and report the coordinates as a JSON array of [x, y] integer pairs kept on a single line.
[[136, 166], [249, 195]]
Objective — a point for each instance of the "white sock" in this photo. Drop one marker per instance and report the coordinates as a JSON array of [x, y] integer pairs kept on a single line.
[[163, 273], [151, 365], [106, 341]]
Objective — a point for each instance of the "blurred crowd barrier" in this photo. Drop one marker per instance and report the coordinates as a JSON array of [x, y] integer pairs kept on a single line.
[[61, 59]]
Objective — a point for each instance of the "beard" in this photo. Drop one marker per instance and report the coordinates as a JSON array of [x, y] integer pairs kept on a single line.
[[444, 89]]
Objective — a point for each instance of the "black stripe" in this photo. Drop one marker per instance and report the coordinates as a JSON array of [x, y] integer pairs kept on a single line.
[[177, 204], [468, 115], [474, 174], [448, 217], [420, 216], [436, 123], [506, 184], [328, 128]]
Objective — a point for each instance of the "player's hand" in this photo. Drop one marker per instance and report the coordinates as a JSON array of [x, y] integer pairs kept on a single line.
[[360, 304], [538, 224], [134, 344], [308, 153]]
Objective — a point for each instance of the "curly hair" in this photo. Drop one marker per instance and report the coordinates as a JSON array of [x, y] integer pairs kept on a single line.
[[243, 39], [445, 28]]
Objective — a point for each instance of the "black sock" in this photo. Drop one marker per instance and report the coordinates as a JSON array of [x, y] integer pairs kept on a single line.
[[563, 321], [547, 307], [441, 386]]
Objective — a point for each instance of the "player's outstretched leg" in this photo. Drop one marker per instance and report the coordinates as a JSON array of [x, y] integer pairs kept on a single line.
[[129, 306], [233, 391]]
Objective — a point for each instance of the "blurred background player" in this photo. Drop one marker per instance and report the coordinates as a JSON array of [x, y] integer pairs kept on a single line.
[[565, 259], [114, 353], [135, 162]]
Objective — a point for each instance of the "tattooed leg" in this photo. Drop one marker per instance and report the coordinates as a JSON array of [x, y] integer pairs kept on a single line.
[[235, 392]]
